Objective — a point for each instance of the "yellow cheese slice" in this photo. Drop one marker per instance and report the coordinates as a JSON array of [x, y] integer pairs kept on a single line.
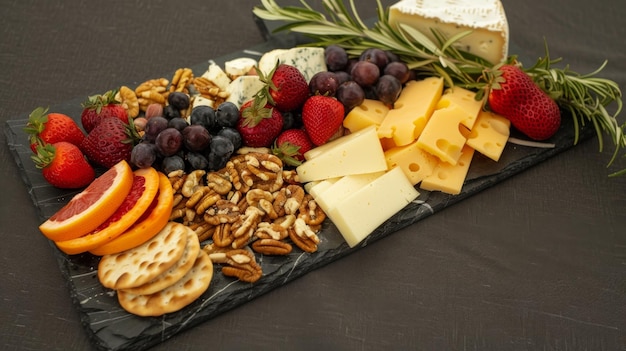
[[449, 178], [369, 112], [355, 153], [466, 100], [416, 163], [410, 113], [490, 134], [360, 213], [442, 137]]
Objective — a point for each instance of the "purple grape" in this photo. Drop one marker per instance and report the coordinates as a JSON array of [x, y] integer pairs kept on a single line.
[[388, 89], [143, 155], [196, 160], [233, 135], [170, 111], [203, 115], [222, 146], [169, 141], [179, 100], [196, 137], [350, 94], [172, 163], [154, 126], [365, 73], [376, 56], [342, 77], [324, 83], [178, 123], [399, 70], [336, 58]]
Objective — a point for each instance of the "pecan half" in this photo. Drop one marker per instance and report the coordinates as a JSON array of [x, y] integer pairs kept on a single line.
[[271, 247], [238, 263]]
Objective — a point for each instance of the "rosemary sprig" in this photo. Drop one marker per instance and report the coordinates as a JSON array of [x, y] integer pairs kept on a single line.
[[586, 97]]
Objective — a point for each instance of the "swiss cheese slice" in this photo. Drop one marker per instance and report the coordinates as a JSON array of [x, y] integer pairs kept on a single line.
[[416, 163], [490, 134], [449, 178], [466, 100], [410, 113], [442, 136], [369, 112]]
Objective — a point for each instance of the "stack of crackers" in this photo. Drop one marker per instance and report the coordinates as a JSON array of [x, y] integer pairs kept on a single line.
[[161, 276]]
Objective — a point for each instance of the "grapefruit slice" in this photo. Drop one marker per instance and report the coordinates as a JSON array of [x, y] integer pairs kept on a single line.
[[143, 191], [92, 206], [147, 226]]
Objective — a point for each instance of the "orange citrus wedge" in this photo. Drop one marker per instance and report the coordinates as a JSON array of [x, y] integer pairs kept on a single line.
[[143, 191], [92, 206], [147, 226]]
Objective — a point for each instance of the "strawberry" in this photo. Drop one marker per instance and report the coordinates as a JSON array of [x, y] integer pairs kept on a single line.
[[285, 87], [98, 107], [291, 145], [63, 165], [259, 123], [322, 117], [515, 96], [109, 142], [50, 128]]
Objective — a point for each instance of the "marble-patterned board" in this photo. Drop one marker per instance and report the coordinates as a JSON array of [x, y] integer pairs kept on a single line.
[[110, 327]]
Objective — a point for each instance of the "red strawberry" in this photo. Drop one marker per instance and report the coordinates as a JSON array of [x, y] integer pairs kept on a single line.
[[98, 107], [259, 123], [515, 96], [291, 145], [322, 117], [63, 165], [50, 128], [109, 142], [286, 88]]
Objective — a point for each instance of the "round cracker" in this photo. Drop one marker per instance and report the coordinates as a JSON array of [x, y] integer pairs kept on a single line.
[[137, 266], [174, 273], [175, 297]]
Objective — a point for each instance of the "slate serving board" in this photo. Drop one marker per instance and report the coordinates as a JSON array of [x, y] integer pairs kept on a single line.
[[109, 327]]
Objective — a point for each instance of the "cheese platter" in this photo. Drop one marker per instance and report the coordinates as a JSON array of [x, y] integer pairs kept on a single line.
[[110, 327]]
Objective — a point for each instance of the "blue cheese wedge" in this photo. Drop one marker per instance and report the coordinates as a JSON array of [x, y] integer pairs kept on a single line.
[[239, 66], [485, 18], [243, 89], [308, 60]]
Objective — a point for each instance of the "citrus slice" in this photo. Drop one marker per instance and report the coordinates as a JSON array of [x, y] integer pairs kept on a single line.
[[92, 206], [147, 226], [143, 191]]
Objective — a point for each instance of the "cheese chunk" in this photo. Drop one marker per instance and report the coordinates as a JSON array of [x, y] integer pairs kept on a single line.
[[411, 111], [442, 136], [239, 66], [354, 153], [217, 76], [309, 60], [485, 18], [360, 213], [369, 112], [490, 134], [199, 100], [243, 89], [465, 99], [317, 188], [416, 163], [337, 191], [450, 178]]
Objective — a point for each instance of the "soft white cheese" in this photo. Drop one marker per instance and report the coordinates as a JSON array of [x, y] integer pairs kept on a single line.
[[486, 18]]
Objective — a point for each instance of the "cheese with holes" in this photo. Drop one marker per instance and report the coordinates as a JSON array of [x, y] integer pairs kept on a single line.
[[309, 60], [490, 134], [354, 153], [411, 111], [442, 136], [449, 178], [466, 100], [369, 112], [360, 213], [486, 19], [416, 163], [337, 191]]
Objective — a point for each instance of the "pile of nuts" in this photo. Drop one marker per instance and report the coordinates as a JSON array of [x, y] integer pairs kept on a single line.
[[252, 204]]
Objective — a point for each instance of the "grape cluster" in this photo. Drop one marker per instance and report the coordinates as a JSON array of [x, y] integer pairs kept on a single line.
[[205, 140], [375, 74]]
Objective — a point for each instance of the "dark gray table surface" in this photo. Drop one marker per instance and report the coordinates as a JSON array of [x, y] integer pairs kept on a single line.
[[537, 262]]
